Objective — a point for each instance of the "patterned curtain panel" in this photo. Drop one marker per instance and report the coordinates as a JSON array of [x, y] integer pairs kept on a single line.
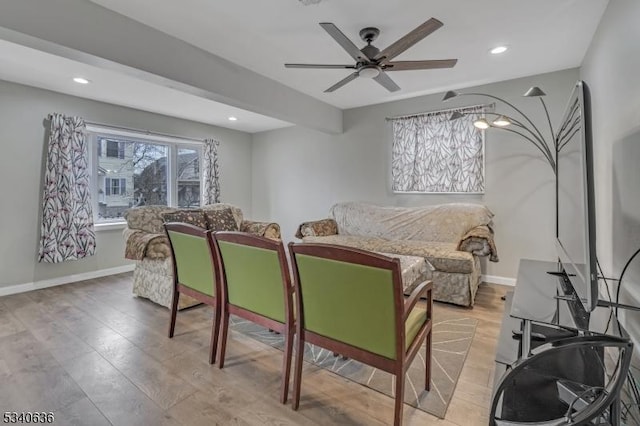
[[432, 153], [67, 217], [210, 173]]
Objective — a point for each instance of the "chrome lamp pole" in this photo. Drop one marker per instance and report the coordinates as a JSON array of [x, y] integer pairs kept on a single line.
[[524, 127]]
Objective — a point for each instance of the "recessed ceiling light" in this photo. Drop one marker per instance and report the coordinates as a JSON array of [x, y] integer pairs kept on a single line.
[[498, 49], [81, 80], [233, 118]]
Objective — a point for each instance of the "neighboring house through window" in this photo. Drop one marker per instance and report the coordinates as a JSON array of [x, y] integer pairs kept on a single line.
[[130, 169]]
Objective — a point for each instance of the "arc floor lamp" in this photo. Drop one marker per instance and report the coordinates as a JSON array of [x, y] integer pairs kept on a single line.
[[517, 122]]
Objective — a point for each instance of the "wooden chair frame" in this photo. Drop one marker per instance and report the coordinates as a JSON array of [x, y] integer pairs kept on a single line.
[[179, 288], [287, 328], [397, 367]]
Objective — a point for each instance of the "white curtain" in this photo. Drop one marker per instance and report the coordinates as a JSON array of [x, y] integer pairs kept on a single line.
[[210, 173], [432, 153], [67, 218]]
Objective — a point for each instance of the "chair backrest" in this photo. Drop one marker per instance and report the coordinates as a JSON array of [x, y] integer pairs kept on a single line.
[[192, 254], [349, 295], [254, 274]]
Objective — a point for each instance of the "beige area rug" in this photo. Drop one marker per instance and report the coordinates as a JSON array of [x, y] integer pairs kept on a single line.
[[452, 336]]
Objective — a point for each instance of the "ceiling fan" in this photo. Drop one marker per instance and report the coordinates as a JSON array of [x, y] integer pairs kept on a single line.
[[372, 62]]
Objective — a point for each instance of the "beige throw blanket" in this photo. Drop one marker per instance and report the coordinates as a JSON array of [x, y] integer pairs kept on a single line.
[[141, 244], [480, 242]]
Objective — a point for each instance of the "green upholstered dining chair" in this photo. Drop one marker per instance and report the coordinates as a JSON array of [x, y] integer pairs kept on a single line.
[[256, 286], [194, 273], [351, 302]]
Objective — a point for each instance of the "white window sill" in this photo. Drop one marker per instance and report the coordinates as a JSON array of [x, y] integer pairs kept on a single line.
[[111, 226]]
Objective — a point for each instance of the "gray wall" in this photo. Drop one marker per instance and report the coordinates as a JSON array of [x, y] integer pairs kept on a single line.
[[22, 110], [299, 173], [611, 69]]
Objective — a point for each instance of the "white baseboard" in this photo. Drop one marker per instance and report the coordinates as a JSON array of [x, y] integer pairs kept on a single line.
[[494, 279], [52, 282]]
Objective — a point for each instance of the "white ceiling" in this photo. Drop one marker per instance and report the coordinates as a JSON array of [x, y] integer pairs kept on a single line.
[[36, 68], [543, 36], [262, 35]]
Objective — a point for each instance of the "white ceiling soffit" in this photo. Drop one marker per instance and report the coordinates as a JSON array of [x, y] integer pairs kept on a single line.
[[542, 35], [32, 67], [87, 33]]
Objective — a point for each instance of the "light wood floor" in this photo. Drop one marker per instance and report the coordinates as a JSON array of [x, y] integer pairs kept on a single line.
[[94, 354]]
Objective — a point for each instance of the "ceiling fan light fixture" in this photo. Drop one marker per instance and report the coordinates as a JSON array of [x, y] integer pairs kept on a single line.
[[369, 72], [501, 121], [481, 124]]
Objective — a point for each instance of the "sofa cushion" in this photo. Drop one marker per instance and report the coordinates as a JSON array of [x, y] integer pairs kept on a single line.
[[441, 223], [190, 216], [442, 256], [147, 218], [220, 220], [237, 213], [362, 243], [413, 270]]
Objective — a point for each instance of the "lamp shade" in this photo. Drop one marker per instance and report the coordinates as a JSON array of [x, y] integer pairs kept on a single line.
[[534, 92], [455, 115], [450, 94], [481, 124], [501, 121]]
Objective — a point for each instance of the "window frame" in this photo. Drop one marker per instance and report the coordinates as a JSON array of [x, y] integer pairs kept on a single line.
[[172, 144]]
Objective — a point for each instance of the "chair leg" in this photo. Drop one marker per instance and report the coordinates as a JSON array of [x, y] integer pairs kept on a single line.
[[427, 359], [427, 363], [297, 375], [286, 363], [224, 328], [174, 312], [215, 332], [399, 405]]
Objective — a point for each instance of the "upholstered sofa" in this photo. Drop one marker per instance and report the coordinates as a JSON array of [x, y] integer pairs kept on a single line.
[[147, 243], [449, 237]]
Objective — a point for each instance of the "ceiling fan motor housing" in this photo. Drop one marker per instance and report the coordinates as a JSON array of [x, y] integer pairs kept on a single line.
[[370, 51]]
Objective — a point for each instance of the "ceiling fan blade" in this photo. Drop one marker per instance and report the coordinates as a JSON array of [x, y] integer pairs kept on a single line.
[[386, 82], [343, 41], [409, 40], [342, 82], [420, 65], [322, 66]]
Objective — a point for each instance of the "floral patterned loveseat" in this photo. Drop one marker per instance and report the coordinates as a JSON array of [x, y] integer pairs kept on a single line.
[[449, 237], [147, 243]]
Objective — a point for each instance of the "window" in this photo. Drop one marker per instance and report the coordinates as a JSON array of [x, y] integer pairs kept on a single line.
[[115, 186], [115, 149], [433, 154], [134, 170], [188, 177]]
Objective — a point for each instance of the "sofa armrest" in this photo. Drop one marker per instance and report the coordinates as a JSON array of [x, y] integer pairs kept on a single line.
[[317, 228], [141, 244], [269, 230], [479, 241]]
